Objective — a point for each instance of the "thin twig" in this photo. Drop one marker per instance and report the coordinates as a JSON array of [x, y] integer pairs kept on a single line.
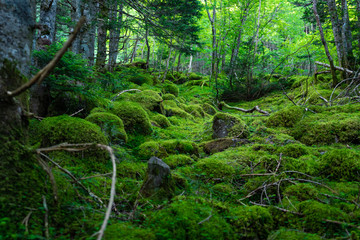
[[77, 112], [95, 176], [206, 219], [46, 218], [256, 108], [128, 90]]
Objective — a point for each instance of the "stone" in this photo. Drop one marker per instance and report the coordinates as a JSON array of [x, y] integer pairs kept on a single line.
[[221, 144], [158, 183], [226, 125]]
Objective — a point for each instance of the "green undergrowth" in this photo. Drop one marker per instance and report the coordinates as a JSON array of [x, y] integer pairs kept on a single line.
[[291, 175]]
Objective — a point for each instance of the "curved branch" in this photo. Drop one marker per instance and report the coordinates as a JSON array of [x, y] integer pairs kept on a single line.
[[256, 108]]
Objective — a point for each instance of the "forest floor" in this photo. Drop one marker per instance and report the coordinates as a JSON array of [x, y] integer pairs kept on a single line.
[[292, 174]]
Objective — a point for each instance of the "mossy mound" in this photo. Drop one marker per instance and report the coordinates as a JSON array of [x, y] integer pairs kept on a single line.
[[149, 99], [252, 222], [209, 109], [163, 148], [301, 192], [169, 96], [135, 118], [141, 79], [178, 160], [294, 150], [226, 125], [61, 129], [221, 144], [286, 117], [341, 164], [194, 76], [111, 124], [127, 231], [97, 109], [211, 168], [172, 109], [293, 234], [161, 120], [327, 128], [195, 110], [171, 88], [183, 219], [131, 169]]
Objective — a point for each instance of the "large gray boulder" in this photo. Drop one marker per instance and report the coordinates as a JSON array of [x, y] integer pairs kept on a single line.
[[226, 125], [158, 183]]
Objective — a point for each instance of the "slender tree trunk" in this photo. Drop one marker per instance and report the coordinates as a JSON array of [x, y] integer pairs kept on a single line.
[[167, 63], [115, 27], [213, 34], [190, 64], [102, 37], [75, 16], [47, 22], [133, 55], [147, 46], [88, 32], [358, 20], [336, 31], [346, 34], [179, 62], [332, 67], [256, 41]]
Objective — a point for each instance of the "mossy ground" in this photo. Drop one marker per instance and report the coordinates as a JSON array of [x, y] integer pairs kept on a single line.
[[295, 177]]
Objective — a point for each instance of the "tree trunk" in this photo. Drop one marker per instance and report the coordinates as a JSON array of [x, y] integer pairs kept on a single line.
[[148, 47], [358, 20], [332, 68], [47, 22], [190, 64], [346, 34], [133, 55], [88, 32], [250, 78], [167, 63], [102, 37], [179, 62], [213, 34], [75, 16], [115, 27]]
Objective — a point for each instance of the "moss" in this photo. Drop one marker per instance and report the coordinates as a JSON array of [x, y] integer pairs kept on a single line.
[[219, 145], [183, 219], [341, 164], [149, 99], [286, 117], [152, 149], [223, 188], [131, 169], [194, 110], [111, 124], [292, 234], [134, 117], [169, 96], [294, 150], [178, 160], [161, 120], [202, 82], [194, 76], [171, 88], [61, 129], [127, 231], [211, 168], [316, 212], [302, 191], [172, 109], [252, 222], [97, 110], [181, 146], [209, 109], [141, 79], [227, 125]]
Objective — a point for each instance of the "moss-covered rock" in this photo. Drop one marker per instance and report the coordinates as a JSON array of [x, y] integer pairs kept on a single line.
[[111, 124], [341, 164], [152, 148], [131, 169], [211, 168], [172, 109], [209, 109], [184, 219], [150, 100], [226, 125], [221, 144], [178, 160], [194, 109], [161, 120], [293, 234], [286, 117], [194, 76], [294, 150], [252, 222], [302, 192], [97, 109], [169, 87], [180, 147], [169, 96], [126, 231], [141, 79], [135, 118], [61, 129]]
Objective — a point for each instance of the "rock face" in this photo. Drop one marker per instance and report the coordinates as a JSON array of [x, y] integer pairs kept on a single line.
[[222, 144], [226, 125], [158, 183]]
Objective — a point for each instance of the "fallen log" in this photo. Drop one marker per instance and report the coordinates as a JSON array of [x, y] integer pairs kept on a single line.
[[256, 108], [336, 67]]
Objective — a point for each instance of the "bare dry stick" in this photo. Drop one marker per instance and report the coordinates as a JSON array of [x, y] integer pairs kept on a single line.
[[336, 67], [256, 108], [48, 170], [39, 77], [46, 218], [129, 90]]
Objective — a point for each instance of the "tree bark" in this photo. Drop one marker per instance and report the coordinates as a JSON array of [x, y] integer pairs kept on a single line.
[[47, 23], [346, 34], [358, 20], [332, 68], [75, 17], [102, 37], [87, 48], [115, 27], [167, 62], [148, 47], [212, 20]]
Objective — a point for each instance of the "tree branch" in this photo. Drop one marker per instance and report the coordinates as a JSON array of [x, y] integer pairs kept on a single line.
[[256, 108]]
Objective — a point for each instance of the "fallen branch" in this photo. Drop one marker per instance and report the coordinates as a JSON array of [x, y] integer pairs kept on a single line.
[[256, 108], [129, 90], [336, 67], [46, 218], [43, 73]]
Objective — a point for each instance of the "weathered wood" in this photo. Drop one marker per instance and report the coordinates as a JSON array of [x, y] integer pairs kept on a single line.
[[336, 67], [256, 108]]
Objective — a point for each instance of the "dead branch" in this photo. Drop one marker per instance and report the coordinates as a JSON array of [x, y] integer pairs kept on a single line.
[[46, 218], [25, 222], [336, 67], [128, 90], [206, 219], [256, 108], [95, 176], [77, 112], [48, 170], [43, 73]]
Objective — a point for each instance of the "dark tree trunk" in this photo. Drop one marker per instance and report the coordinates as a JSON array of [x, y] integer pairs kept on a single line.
[[102, 36], [115, 27], [75, 17], [47, 22], [88, 32]]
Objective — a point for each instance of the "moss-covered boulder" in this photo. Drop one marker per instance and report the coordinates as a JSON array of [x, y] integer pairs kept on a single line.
[[152, 148], [150, 100], [169, 87], [97, 109], [293, 234], [169, 96], [178, 160], [227, 125], [252, 222], [221, 144], [111, 125], [286, 117], [127, 231], [172, 109], [161, 120], [131, 169], [294, 150], [194, 109], [209, 109], [194, 76], [211, 168], [184, 219], [341, 164], [135, 119], [302, 192], [141, 78], [164, 148]]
